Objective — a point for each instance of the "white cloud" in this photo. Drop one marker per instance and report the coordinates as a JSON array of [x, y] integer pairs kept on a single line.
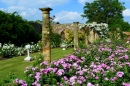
[[29, 9], [83, 1], [68, 17], [26, 13], [126, 12], [9, 2], [2, 9], [13, 8]]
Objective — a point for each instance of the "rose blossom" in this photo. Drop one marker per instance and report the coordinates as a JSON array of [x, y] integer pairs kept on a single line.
[[120, 74]]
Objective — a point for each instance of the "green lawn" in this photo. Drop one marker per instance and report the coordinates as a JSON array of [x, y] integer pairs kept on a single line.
[[17, 65]]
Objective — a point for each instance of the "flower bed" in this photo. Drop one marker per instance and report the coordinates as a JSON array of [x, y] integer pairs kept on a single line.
[[8, 50], [102, 64]]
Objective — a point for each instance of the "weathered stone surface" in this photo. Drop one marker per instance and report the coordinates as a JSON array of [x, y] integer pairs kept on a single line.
[[75, 30], [46, 34], [60, 28]]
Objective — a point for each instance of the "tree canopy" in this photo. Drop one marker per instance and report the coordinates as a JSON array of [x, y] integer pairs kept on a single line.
[[14, 29], [104, 11]]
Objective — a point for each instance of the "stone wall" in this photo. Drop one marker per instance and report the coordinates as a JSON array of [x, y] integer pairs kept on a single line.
[[59, 28], [128, 35]]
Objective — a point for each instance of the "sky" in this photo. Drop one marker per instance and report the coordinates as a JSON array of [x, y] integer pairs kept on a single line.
[[66, 11]]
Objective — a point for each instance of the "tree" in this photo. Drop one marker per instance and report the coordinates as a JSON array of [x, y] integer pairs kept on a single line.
[[104, 11], [15, 30]]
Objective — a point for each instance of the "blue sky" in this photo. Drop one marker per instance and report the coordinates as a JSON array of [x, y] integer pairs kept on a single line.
[[66, 11]]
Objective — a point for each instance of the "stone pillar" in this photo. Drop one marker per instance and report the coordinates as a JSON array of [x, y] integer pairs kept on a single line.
[[96, 36], [91, 36], [75, 35], [46, 45]]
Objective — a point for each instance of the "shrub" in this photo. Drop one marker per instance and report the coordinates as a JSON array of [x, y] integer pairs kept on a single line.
[[55, 40], [69, 35], [9, 50], [100, 64], [16, 30]]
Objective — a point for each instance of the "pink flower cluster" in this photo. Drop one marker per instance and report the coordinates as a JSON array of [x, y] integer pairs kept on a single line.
[[94, 66]]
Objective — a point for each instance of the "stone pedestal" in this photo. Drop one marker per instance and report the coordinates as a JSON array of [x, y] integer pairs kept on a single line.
[[46, 45], [28, 58], [64, 46]]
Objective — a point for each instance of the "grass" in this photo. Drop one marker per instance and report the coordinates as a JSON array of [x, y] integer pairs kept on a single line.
[[17, 65]]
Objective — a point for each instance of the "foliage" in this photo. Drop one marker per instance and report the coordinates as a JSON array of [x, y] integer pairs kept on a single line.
[[116, 35], [17, 65], [125, 26], [35, 47], [113, 57], [9, 78], [38, 59], [37, 25], [105, 11], [51, 75], [100, 64], [9, 50], [121, 24], [55, 40], [16, 30], [69, 35], [81, 36], [101, 29]]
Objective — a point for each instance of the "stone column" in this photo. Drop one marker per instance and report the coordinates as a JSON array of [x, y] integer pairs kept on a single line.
[[96, 36], [75, 35], [46, 45], [91, 36]]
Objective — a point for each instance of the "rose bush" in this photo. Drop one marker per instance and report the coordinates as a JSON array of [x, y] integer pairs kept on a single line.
[[102, 28], [9, 50], [102, 64]]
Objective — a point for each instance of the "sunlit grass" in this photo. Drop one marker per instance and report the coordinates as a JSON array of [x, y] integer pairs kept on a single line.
[[17, 65]]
